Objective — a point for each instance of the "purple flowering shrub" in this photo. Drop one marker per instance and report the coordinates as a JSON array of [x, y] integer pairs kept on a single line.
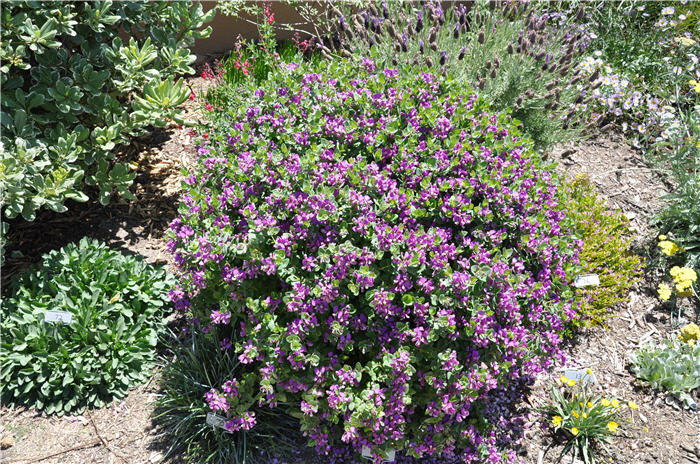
[[383, 252]]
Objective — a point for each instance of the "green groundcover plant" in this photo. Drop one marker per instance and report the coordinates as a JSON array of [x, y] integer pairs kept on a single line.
[[385, 250], [117, 303], [607, 252], [73, 89]]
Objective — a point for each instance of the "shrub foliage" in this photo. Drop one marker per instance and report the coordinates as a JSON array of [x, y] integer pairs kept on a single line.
[[117, 304], [73, 90], [386, 249]]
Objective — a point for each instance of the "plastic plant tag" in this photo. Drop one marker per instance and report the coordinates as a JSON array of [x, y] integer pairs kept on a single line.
[[389, 456], [579, 376], [586, 280], [216, 421], [58, 316]]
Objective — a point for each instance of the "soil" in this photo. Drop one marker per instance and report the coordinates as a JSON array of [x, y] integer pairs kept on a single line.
[[124, 433]]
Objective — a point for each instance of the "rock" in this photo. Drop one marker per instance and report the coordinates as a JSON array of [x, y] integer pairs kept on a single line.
[[8, 441], [155, 457]]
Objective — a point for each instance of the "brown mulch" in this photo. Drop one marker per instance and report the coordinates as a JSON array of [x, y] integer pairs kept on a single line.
[[123, 432]]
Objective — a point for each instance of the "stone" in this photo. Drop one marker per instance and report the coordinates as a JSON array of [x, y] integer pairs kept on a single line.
[[8, 441]]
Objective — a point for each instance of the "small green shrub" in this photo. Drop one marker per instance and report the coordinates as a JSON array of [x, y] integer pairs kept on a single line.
[[606, 252], [673, 366], [198, 364], [72, 91], [117, 304]]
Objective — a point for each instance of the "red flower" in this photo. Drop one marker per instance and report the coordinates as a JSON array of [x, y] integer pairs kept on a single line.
[[208, 107], [192, 95]]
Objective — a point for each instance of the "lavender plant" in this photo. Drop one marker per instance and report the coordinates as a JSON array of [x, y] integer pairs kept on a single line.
[[387, 250], [517, 55]]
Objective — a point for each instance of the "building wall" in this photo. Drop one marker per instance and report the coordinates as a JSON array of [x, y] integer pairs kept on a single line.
[[226, 30]]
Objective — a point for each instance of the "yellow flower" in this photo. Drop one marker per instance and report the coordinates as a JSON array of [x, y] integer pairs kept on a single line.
[[683, 277], [589, 372], [572, 382], [580, 403], [632, 405], [612, 426], [556, 421], [668, 248], [575, 414], [690, 333], [615, 404], [662, 237], [685, 293], [584, 415], [563, 380], [695, 84], [574, 431], [605, 402], [664, 292], [589, 404]]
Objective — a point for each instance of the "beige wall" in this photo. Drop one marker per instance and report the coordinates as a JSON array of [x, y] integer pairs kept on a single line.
[[225, 30]]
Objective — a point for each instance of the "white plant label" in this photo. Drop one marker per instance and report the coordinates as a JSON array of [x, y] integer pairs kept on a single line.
[[579, 376], [586, 280], [389, 456], [58, 316], [216, 421]]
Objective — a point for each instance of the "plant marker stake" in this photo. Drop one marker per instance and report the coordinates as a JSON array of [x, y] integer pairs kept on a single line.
[[586, 280], [58, 316], [216, 421], [579, 376], [389, 456]]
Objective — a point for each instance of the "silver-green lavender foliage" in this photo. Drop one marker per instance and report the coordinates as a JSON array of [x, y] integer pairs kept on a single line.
[[673, 367], [516, 55]]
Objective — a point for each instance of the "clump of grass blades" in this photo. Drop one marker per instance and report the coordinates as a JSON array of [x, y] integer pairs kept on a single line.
[[195, 365]]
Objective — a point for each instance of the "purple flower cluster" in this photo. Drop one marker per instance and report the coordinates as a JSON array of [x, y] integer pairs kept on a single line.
[[383, 252]]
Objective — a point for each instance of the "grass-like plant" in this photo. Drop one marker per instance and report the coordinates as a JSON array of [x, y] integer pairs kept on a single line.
[[196, 364], [588, 420], [117, 303], [607, 252]]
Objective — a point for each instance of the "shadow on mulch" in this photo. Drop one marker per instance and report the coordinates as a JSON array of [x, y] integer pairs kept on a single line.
[[132, 227]]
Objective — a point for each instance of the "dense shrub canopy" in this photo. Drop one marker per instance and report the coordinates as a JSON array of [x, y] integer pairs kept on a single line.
[[384, 252]]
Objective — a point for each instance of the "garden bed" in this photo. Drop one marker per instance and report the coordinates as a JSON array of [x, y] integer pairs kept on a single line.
[[371, 249], [662, 433]]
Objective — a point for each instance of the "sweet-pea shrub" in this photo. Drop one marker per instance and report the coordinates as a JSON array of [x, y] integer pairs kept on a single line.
[[383, 250]]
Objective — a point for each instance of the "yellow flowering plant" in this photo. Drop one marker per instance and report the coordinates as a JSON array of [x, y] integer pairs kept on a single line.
[[589, 421], [683, 278]]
